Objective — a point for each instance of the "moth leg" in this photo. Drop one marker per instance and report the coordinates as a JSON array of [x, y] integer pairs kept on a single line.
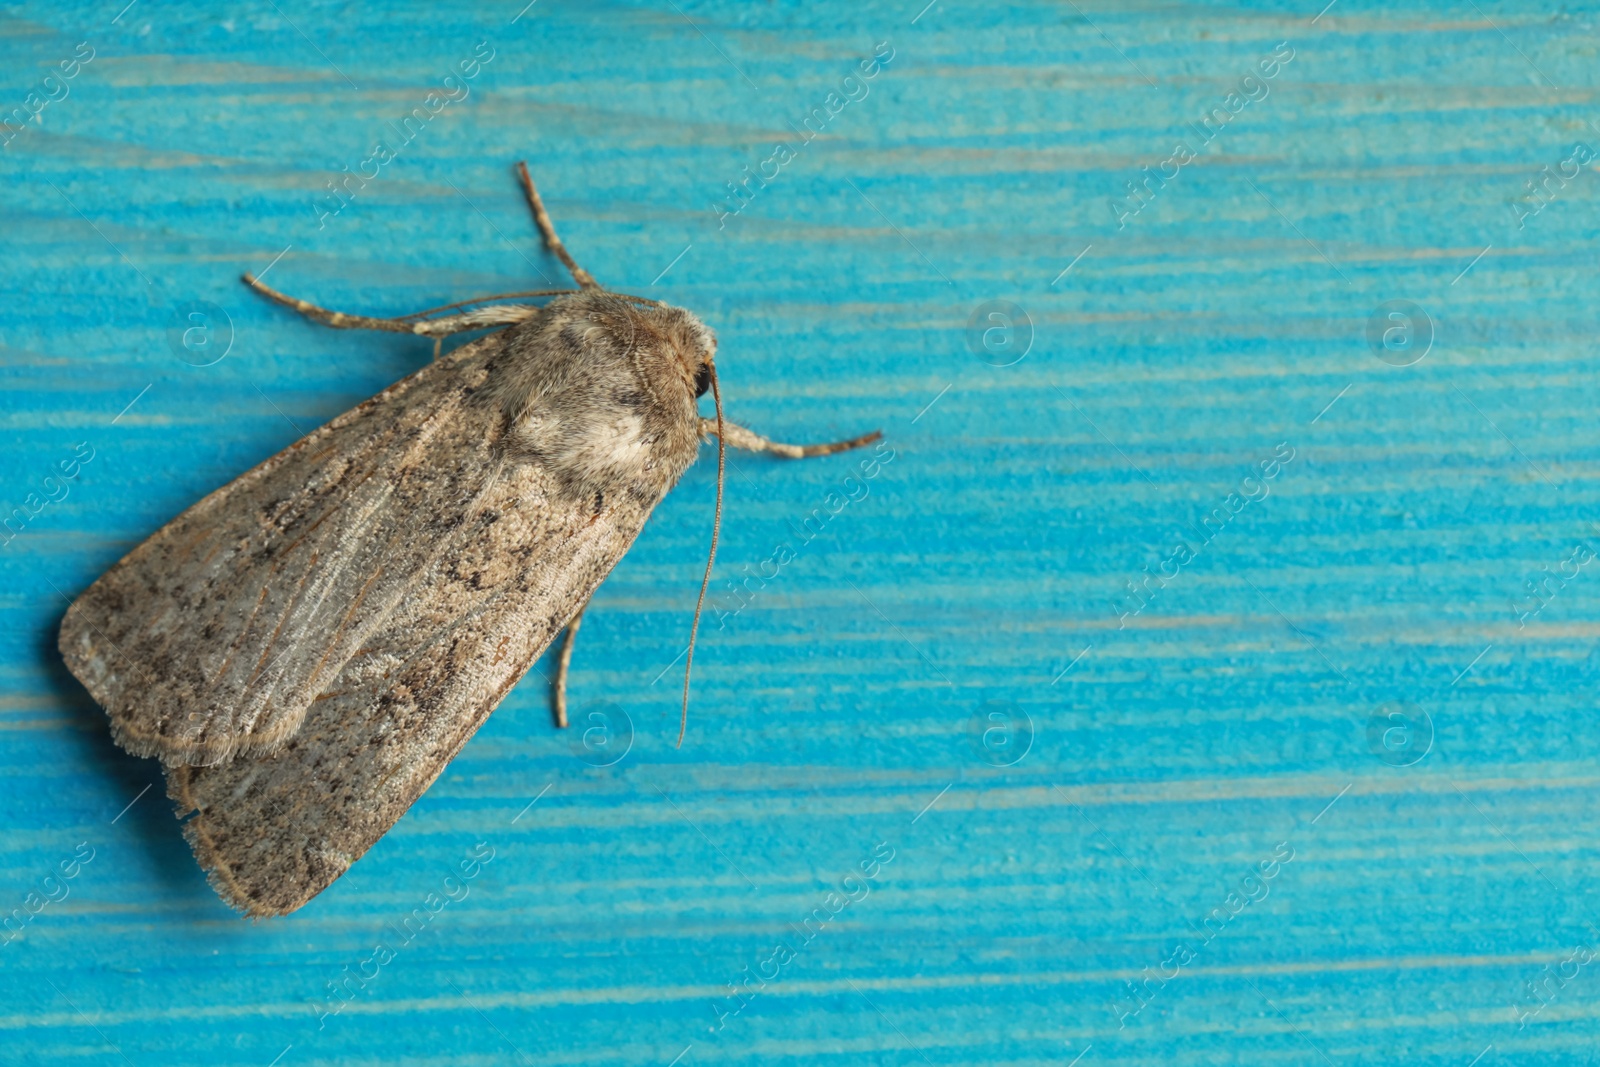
[[563, 665], [337, 319], [477, 318], [541, 219], [740, 437]]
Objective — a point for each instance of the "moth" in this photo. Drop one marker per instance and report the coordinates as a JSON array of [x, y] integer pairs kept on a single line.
[[305, 649]]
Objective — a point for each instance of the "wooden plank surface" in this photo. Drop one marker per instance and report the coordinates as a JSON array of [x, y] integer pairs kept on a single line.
[[1325, 791]]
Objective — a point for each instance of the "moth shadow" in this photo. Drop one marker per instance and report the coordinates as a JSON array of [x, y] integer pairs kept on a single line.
[[148, 818]]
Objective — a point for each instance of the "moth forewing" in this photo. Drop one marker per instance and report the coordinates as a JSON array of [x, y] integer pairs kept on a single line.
[[273, 832], [384, 582]]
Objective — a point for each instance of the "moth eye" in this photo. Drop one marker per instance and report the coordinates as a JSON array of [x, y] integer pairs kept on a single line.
[[702, 380]]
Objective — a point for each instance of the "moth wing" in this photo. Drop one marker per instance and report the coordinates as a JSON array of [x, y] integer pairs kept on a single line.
[[273, 830], [213, 637]]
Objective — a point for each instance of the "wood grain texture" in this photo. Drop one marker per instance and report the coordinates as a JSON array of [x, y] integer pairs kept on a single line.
[[843, 702]]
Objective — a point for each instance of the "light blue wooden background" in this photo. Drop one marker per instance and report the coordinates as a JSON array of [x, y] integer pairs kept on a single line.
[[837, 712]]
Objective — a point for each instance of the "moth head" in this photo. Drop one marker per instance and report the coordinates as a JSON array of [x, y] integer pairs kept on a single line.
[[695, 344], [702, 379]]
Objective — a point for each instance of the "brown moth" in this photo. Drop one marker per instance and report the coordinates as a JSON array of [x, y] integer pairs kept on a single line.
[[308, 647]]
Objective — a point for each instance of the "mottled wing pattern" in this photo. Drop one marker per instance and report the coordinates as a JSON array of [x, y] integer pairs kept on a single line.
[[274, 830], [214, 636], [307, 648]]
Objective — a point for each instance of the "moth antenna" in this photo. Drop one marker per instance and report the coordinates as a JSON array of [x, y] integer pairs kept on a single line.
[[541, 218], [711, 557]]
